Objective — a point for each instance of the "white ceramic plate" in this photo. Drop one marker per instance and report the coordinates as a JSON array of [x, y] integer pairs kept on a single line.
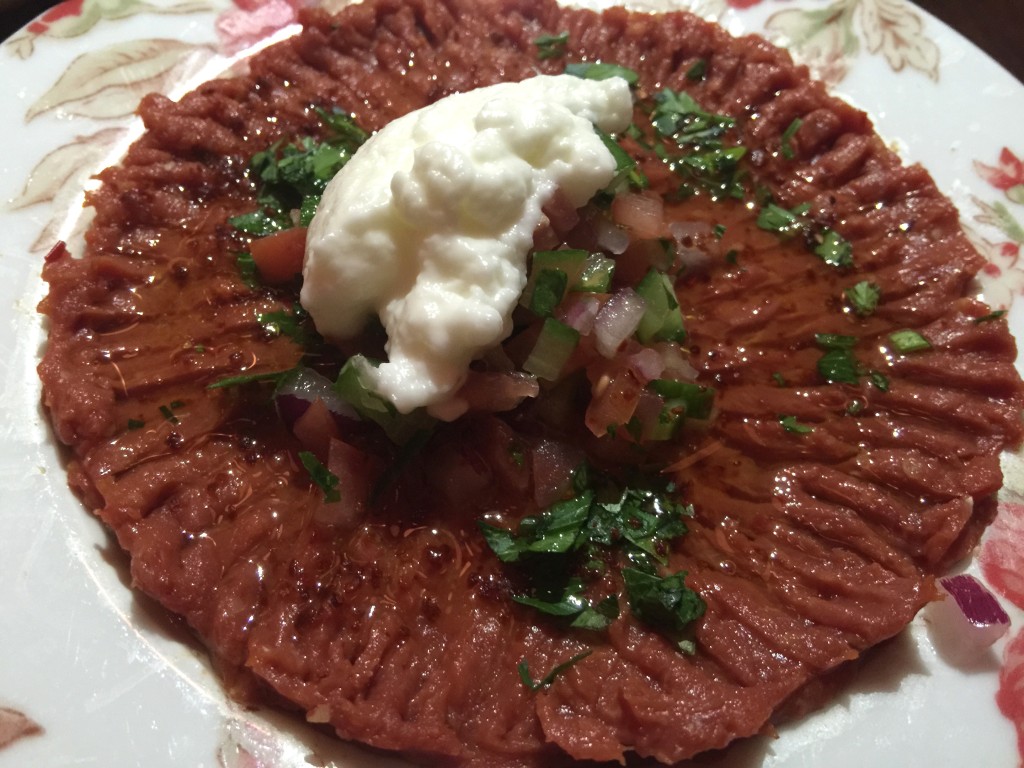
[[112, 682]]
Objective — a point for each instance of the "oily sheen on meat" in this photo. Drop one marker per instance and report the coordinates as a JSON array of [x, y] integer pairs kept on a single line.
[[396, 628]]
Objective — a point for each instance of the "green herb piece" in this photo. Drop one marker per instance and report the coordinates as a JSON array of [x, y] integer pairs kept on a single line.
[[856, 407], [353, 387], [790, 424], [570, 605], [879, 380], [834, 341], [325, 480], [787, 138], [167, 411], [560, 548], [908, 340], [556, 530], [863, 297], [598, 617], [834, 250], [732, 256], [784, 222], [779, 379], [199, 349], [247, 269], [838, 364], [551, 46], [259, 223], [996, 315], [698, 71], [626, 170], [719, 231], [296, 324], [250, 378], [716, 169], [665, 603], [136, 424], [343, 125], [549, 678], [601, 71], [677, 114], [293, 177]]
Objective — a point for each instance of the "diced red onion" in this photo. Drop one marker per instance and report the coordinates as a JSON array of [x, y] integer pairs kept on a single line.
[[611, 237], [580, 312], [684, 230], [646, 364], [618, 320], [676, 362], [982, 620], [304, 386]]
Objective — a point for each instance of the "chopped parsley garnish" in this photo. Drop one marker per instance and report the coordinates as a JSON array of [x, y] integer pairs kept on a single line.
[[835, 250], [292, 177], [787, 138], [719, 231], [880, 381], [601, 71], [560, 550], [698, 71], [250, 378], [826, 243], [549, 678], [295, 324], [996, 315], [626, 169], [907, 341], [706, 159], [790, 424], [863, 297], [136, 424], [551, 46], [838, 364], [324, 479], [167, 411], [663, 602], [247, 269], [782, 221], [779, 379]]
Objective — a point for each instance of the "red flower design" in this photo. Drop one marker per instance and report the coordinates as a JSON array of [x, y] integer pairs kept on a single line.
[[58, 12], [1007, 176], [252, 20]]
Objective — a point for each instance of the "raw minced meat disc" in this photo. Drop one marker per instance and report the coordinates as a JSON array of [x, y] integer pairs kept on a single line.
[[822, 510]]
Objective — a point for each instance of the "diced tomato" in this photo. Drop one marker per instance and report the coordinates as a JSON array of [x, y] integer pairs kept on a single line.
[[357, 474], [279, 256], [315, 429], [615, 395], [642, 214]]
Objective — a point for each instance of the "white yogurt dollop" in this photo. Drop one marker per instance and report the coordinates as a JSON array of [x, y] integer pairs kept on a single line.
[[429, 225]]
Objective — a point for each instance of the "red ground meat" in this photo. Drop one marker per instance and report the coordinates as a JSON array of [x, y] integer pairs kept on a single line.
[[397, 628]]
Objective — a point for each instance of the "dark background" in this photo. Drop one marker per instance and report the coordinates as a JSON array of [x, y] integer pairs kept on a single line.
[[995, 26]]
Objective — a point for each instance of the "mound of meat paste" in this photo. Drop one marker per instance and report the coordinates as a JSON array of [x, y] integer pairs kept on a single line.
[[393, 623]]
